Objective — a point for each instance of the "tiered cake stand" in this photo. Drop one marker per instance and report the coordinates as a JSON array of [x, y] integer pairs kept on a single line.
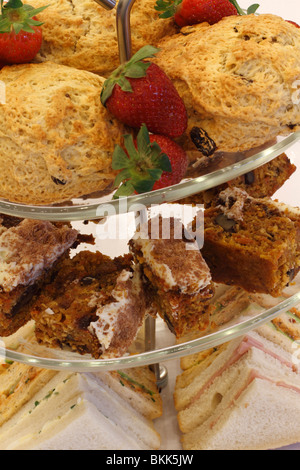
[[155, 343]]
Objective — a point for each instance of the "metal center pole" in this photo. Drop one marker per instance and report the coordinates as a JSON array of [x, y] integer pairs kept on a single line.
[[124, 30], [125, 53]]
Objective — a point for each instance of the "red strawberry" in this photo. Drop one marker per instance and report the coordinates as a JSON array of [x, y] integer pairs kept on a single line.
[[20, 32], [293, 22], [140, 92], [188, 12], [150, 163], [178, 159]]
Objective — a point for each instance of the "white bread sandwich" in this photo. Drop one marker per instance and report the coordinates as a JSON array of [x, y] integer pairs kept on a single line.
[[77, 412], [137, 386], [49, 409], [284, 330], [242, 396], [258, 412]]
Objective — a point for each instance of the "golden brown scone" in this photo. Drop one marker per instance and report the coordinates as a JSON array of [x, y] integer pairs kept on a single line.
[[237, 78], [82, 34], [56, 139]]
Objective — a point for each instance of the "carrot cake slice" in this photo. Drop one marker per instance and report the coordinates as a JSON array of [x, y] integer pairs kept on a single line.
[[176, 276], [28, 251], [93, 305], [260, 182], [252, 243]]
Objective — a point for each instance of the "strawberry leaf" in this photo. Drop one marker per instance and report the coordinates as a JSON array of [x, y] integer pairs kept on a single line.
[[145, 52], [144, 186], [5, 25], [167, 7], [124, 84], [137, 70], [252, 9], [119, 159], [124, 175], [107, 90], [155, 173], [131, 148], [134, 68], [143, 140], [164, 162]]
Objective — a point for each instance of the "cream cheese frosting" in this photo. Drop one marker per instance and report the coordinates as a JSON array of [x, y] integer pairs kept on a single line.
[[30, 248]]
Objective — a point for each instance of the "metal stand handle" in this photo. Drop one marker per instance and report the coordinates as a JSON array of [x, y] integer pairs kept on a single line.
[[123, 25], [123, 29]]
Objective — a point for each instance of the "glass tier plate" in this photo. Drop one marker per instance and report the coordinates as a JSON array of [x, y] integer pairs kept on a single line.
[[203, 174], [241, 312], [247, 311]]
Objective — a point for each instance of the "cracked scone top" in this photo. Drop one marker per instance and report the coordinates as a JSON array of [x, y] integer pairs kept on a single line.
[[238, 78], [56, 138], [82, 34]]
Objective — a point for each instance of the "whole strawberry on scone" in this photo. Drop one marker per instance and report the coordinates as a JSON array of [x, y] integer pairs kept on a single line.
[[189, 12], [20, 32], [139, 92]]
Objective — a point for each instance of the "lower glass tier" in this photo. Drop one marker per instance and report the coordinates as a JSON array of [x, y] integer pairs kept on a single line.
[[237, 313]]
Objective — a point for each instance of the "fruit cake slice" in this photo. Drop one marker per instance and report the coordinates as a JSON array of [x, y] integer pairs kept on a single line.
[[176, 276], [93, 305], [28, 251], [252, 243]]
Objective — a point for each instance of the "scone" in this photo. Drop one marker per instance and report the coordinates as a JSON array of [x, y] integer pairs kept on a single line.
[[238, 79], [83, 34], [56, 139]]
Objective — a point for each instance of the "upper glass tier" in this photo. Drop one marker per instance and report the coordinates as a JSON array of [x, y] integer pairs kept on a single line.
[[216, 171]]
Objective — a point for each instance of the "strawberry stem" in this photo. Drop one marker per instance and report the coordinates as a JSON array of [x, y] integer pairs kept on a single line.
[[249, 11], [238, 8]]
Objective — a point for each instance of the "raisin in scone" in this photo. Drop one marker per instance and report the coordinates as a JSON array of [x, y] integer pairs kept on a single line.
[[82, 34], [56, 139], [238, 79]]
